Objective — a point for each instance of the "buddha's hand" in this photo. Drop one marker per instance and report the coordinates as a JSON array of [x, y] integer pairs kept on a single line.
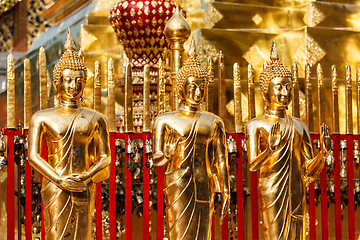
[[68, 183], [225, 205], [83, 177], [171, 144], [325, 139], [274, 136]]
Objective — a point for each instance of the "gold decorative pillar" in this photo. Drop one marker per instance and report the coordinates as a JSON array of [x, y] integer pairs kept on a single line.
[[27, 93], [210, 88], [237, 99], [221, 87], [335, 100], [128, 107], [10, 78], [111, 97], [42, 78], [97, 86], [146, 99], [177, 32]]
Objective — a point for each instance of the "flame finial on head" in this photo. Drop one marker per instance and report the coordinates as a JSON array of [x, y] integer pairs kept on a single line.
[[274, 53], [192, 48], [69, 60]]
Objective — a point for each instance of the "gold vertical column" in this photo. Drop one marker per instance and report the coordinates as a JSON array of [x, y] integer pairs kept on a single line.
[[210, 87], [358, 97], [221, 87], [177, 32], [27, 93], [111, 97], [161, 89], [42, 78], [10, 96], [321, 95], [251, 93], [237, 99], [146, 100], [308, 99], [335, 100], [296, 96], [128, 103], [348, 100], [97, 86]]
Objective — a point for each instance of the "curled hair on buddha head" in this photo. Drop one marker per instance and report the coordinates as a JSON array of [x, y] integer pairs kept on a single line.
[[273, 69], [69, 60], [191, 68]]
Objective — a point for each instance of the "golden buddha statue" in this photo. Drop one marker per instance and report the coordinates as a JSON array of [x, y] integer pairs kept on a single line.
[[192, 145], [78, 149], [279, 147]]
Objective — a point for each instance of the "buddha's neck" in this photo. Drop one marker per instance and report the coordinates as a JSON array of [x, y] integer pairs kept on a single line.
[[189, 107], [72, 104], [275, 112]]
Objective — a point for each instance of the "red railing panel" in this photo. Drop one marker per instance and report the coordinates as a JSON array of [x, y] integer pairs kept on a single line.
[[146, 191], [337, 193], [240, 189], [312, 207], [128, 197], [112, 189], [350, 182]]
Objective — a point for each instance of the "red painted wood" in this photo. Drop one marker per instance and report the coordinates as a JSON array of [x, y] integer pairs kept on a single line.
[[160, 203], [337, 194], [10, 185], [44, 156], [146, 192], [254, 206], [350, 172], [312, 207], [112, 189], [28, 196], [128, 197], [240, 189]]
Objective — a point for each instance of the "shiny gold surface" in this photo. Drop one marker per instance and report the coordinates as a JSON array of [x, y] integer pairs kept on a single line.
[[146, 99], [111, 97], [308, 98], [10, 97], [177, 32], [27, 94], [348, 100], [191, 143], [42, 79], [128, 103], [321, 95], [210, 87], [161, 88], [251, 92], [280, 149], [97, 86], [221, 87], [78, 153], [358, 97], [335, 100], [237, 99], [296, 97]]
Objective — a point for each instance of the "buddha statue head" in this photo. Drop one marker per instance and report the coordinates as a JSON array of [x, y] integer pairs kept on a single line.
[[192, 79], [275, 83], [69, 73]]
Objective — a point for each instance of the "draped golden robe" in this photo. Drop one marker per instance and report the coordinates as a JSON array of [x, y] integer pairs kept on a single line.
[[193, 175], [68, 213], [283, 181]]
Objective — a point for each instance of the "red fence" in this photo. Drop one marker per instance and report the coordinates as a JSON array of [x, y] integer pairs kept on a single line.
[[237, 167]]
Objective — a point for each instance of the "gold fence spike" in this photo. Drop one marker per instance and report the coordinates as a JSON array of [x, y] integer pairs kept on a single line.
[[97, 86], [128, 103], [221, 87], [27, 94], [146, 99], [210, 87], [111, 97], [296, 95], [335, 100], [321, 95], [161, 88], [42, 78], [10, 95], [251, 93], [308, 99], [348, 100], [237, 99]]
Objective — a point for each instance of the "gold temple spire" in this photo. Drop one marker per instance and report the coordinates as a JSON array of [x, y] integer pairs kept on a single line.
[[10, 95], [222, 87], [335, 100], [308, 98], [348, 100]]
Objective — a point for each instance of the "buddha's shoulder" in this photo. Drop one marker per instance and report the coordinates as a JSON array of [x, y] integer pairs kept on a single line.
[[256, 121]]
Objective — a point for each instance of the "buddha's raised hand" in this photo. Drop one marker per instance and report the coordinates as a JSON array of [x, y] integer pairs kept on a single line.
[[325, 139], [171, 144], [274, 136]]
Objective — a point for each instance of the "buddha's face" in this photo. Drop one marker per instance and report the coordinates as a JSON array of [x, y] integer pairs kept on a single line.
[[194, 90], [71, 85], [280, 92]]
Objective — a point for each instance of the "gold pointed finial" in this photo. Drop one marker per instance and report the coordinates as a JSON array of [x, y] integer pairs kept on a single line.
[[69, 43], [274, 53]]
